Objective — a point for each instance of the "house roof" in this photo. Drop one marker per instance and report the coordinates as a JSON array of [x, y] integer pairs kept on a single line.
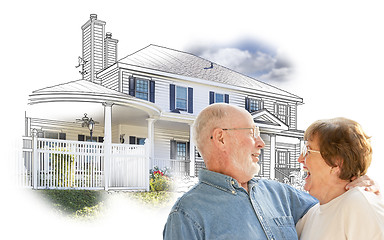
[[86, 91], [186, 64], [78, 86]]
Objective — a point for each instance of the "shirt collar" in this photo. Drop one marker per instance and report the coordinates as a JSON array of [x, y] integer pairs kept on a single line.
[[221, 181]]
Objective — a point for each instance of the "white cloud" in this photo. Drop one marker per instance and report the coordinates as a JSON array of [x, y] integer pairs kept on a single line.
[[277, 75], [261, 65]]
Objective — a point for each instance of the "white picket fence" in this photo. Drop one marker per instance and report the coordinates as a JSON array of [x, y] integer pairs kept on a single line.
[[62, 164]]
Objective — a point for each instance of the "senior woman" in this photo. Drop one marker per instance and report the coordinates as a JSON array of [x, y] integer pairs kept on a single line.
[[337, 150]]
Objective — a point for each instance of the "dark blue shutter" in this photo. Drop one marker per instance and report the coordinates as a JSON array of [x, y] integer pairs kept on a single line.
[[132, 140], [247, 104], [226, 98], [173, 147], [187, 146], [152, 91], [171, 97], [132, 86], [190, 100], [211, 97]]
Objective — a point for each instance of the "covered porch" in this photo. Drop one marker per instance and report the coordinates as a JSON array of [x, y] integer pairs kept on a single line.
[[60, 152]]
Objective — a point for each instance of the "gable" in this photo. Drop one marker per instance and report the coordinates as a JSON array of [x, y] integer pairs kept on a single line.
[[268, 122]]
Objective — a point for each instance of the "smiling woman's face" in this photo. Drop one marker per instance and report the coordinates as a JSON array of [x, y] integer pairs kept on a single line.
[[319, 173]]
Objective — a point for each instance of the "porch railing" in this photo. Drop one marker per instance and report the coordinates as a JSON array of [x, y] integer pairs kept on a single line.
[[178, 168], [63, 164]]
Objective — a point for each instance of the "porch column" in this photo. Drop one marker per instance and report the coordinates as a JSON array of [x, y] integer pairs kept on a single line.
[[151, 138], [107, 141], [273, 156], [191, 151]]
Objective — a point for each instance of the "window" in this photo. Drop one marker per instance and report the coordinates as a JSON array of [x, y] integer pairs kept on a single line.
[[136, 140], [282, 112], [181, 98], [83, 138], [53, 135], [88, 139], [254, 104], [282, 159], [181, 151], [261, 164], [218, 98], [142, 89]]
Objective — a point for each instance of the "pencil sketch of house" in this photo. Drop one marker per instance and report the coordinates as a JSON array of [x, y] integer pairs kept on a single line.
[[142, 108]]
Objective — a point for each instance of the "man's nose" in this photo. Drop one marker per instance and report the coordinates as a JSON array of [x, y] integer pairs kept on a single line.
[[259, 142]]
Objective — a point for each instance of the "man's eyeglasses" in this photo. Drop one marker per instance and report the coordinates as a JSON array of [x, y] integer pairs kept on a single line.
[[255, 131], [305, 150]]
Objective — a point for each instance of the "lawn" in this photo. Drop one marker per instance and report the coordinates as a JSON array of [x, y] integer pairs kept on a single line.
[[88, 205]]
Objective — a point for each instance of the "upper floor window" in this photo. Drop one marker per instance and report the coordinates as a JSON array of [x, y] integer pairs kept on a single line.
[[180, 98], [282, 112], [253, 104], [218, 97], [142, 88]]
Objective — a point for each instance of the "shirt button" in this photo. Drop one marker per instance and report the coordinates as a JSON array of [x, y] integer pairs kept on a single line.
[[233, 191], [261, 218], [232, 182]]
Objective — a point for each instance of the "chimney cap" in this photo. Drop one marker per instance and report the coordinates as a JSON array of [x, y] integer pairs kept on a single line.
[[93, 16], [108, 35]]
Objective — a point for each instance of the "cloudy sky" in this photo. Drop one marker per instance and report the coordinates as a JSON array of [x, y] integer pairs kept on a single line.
[[250, 57], [327, 52]]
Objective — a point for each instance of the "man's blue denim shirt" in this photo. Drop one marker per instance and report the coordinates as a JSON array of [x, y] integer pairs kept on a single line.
[[218, 208]]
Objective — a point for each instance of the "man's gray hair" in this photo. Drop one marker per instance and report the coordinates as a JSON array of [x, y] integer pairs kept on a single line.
[[208, 119]]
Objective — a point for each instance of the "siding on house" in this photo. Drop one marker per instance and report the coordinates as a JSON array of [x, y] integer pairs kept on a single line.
[[111, 79]]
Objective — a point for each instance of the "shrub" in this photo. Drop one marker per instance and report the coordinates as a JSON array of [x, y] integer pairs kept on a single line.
[[159, 180]]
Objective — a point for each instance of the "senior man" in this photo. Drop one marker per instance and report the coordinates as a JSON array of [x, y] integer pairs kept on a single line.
[[228, 203]]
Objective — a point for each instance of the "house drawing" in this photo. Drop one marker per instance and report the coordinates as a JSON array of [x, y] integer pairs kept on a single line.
[[143, 107]]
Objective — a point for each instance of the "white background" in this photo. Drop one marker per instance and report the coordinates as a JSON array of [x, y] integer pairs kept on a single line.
[[336, 48]]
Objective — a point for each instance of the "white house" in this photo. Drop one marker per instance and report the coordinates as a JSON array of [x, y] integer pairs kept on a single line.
[[154, 95]]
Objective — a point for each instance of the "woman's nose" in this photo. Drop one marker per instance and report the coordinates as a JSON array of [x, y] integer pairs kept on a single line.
[[301, 158]]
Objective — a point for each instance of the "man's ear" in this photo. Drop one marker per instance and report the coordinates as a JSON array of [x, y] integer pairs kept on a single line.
[[218, 138]]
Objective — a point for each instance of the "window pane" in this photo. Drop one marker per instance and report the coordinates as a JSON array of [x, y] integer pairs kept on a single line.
[[142, 89], [219, 98], [140, 141], [282, 109], [181, 98], [181, 151], [253, 105], [51, 135]]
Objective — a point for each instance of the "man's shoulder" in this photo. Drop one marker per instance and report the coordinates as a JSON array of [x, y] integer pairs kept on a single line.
[[188, 199]]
